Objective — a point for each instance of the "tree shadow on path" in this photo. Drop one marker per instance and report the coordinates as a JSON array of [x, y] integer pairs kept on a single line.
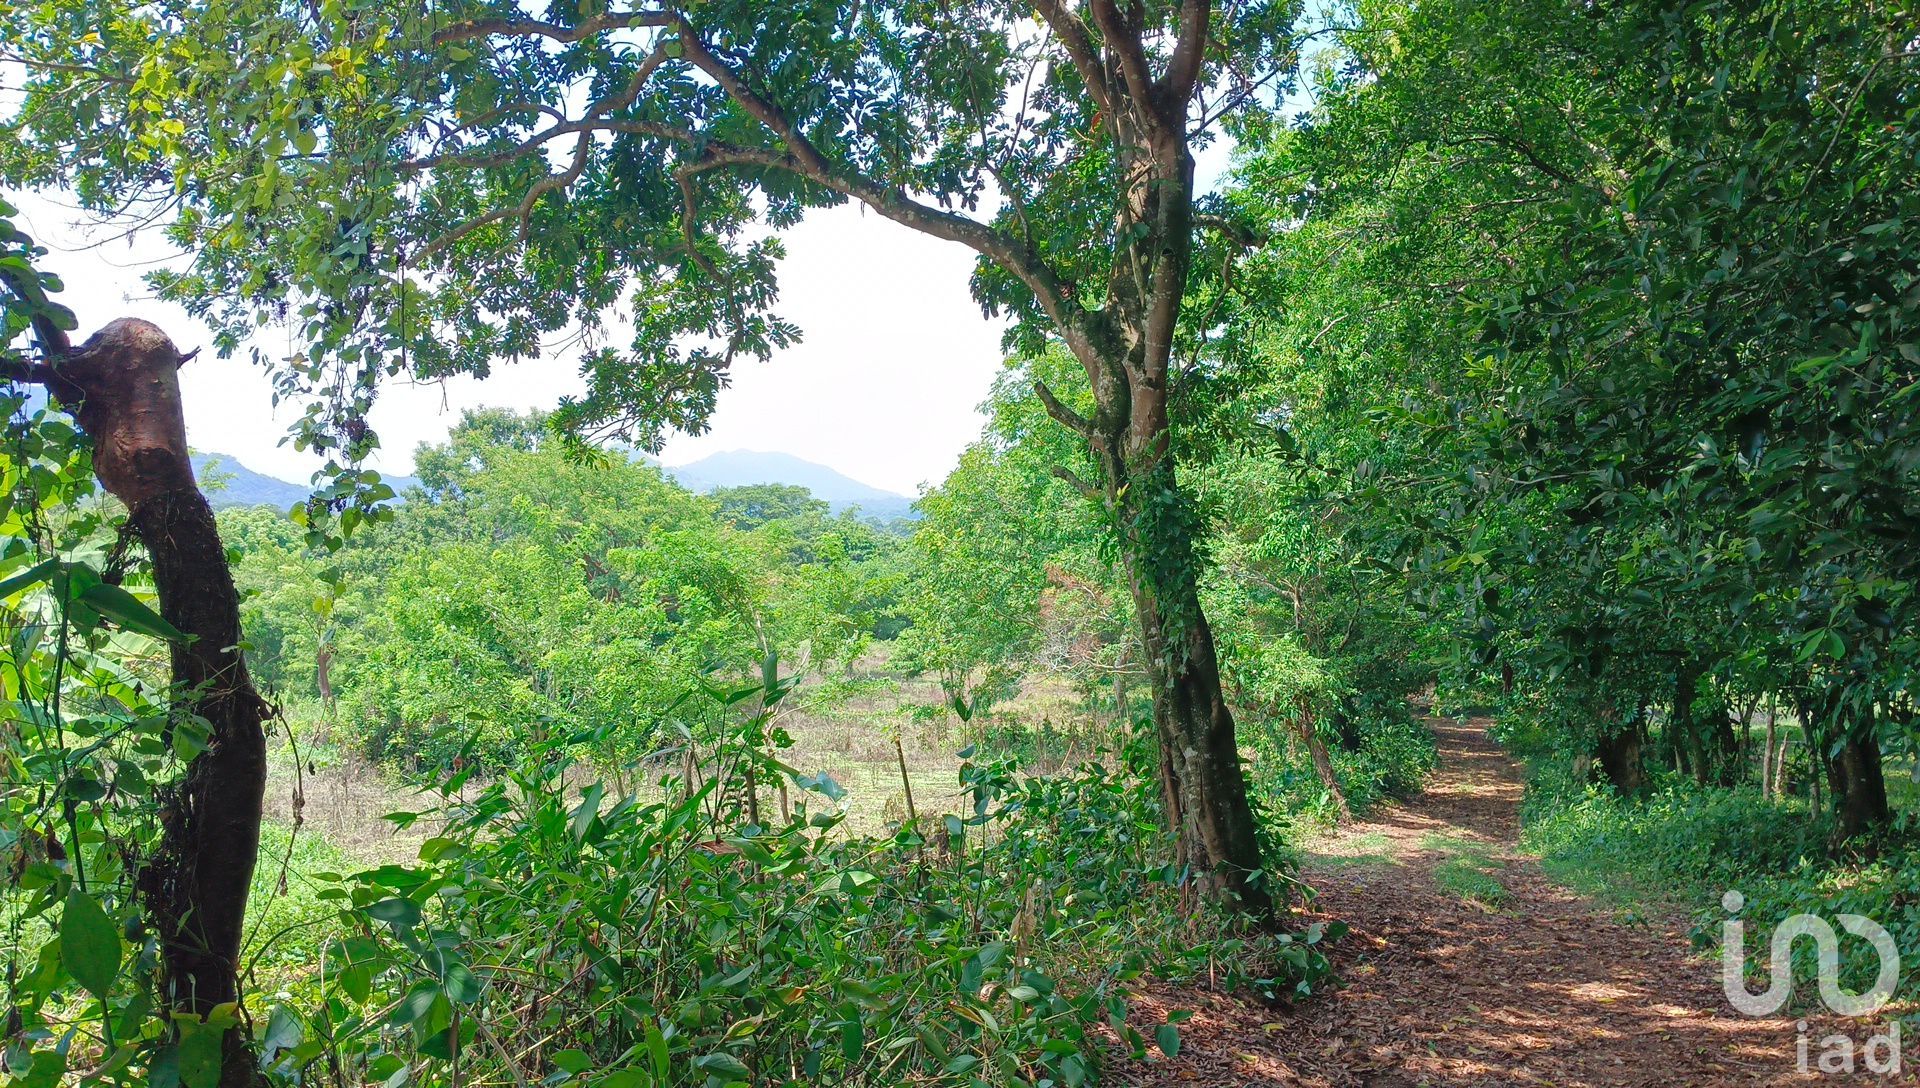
[[1467, 967]]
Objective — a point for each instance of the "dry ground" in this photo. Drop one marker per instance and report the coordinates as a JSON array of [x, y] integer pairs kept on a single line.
[[849, 736], [1456, 979]]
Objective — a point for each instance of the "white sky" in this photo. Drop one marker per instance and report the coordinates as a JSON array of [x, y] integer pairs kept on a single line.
[[885, 385]]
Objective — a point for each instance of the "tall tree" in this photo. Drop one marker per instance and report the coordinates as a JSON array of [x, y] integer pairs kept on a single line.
[[432, 189], [123, 387]]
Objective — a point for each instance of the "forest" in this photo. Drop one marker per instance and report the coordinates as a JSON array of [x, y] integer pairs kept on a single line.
[[1434, 586]]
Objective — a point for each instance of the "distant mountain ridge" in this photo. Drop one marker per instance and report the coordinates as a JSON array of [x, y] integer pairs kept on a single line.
[[736, 468], [234, 484], [237, 485]]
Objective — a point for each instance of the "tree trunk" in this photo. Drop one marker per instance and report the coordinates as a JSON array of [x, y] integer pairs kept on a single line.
[[1202, 782], [1125, 347], [1859, 787], [1201, 779], [124, 386], [1766, 760], [1726, 753], [1322, 762], [1848, 748], [1619, 754], [1686, 726]]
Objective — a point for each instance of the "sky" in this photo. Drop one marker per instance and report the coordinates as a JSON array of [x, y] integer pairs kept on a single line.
[[885, 385]]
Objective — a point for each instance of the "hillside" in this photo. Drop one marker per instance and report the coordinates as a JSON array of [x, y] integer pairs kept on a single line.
[[735, 468], [230, 483]]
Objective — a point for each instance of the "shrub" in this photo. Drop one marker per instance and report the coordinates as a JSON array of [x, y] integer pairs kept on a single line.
[[1684, 846], [579, 937]]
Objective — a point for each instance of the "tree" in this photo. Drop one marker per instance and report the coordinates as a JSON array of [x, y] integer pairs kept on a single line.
[[1653, 297], [383, 177], [752, 505], [123, 387]]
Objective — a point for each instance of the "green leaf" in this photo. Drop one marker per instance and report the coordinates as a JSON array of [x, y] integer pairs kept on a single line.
[[657, 1052], [200, 1056], [462, 985], [724, 1064], [586, 810], [89, 943], [126, 610], [1167, 1037], [283, 1032], [822, 784], [32, 576], [396, 912]]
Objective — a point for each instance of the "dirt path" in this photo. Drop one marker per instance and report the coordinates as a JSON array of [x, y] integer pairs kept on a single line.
[[1467, 967]]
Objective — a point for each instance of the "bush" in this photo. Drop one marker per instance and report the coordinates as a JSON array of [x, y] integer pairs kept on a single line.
[[1391, 758], [1684, 846], [612, 940]]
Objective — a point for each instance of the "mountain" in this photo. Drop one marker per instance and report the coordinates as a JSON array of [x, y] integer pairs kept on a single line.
[[234, 484], [735, 468]]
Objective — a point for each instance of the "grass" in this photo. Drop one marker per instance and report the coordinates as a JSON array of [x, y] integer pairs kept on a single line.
[[843, 724], [1365, 849], [1468, 870], [287, 923]]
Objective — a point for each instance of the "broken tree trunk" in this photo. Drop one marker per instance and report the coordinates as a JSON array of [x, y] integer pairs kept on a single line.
[[124, 389], [1309, 728]]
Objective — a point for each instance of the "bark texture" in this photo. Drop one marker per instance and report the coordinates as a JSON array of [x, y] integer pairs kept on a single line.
[[1859, 788], [123, 384], [1845, 740], [1618, 752]]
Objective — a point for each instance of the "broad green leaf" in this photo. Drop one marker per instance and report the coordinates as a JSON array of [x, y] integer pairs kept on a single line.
[[396, 911], [126, 610], [90, 947]]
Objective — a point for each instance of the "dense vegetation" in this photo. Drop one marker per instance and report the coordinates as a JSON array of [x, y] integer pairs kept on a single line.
[[1544, 358]]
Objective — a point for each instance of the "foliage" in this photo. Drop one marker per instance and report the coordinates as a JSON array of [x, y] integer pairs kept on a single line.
[[522, 595], [376, 176], [1684, 846], [668, 938], [93, 742], [1555, 357], [1633, 288]]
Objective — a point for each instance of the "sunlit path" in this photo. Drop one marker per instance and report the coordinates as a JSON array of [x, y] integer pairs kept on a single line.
[[1503, 978]]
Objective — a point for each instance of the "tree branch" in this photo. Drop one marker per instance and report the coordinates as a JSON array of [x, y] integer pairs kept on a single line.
[[762, 109], [25, 371], [529, 28], [801, 156], [1244, 235], [1069, 418], [1183, 71], [1124, 44], [890, 201], [1080, 50], [524, 210], [1072, 479]]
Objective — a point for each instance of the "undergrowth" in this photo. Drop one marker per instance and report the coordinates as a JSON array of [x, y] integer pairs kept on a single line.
[[1383, 758], [1679, 848], [707, 935]]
